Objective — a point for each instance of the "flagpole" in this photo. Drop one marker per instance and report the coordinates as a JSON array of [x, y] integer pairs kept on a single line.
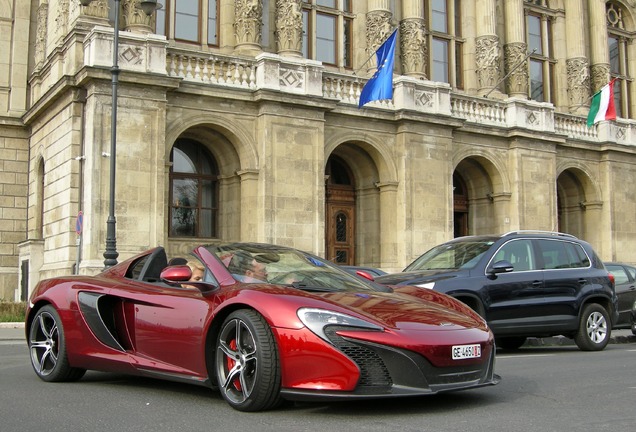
[[589, 98], [355, 72], [511, 71]]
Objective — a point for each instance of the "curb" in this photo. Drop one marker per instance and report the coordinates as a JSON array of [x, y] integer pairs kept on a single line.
[[564, 341], [11, 325]]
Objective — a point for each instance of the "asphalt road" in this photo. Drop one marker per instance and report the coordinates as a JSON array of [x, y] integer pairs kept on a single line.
[[555, 388]]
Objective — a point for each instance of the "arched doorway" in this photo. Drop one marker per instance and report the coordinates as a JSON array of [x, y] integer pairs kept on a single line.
[[460, 206], [340, 206]]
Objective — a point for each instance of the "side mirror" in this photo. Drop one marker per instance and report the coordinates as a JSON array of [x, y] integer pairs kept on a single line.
[[365, 275], [502, 266], [176, 274]]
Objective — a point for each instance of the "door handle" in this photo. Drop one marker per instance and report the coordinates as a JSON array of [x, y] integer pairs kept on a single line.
[[536, 283], [582, 281]]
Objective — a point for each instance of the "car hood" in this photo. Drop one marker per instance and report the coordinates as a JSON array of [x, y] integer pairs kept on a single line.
[[408, 308], [418, 277]]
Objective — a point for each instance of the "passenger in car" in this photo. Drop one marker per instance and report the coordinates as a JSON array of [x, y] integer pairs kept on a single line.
[[197, 273]]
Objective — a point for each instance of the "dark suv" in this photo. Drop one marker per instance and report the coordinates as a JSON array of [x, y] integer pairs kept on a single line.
[[524, 283]]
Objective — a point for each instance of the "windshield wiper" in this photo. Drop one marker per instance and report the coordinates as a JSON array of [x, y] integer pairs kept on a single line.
[[304, 287]]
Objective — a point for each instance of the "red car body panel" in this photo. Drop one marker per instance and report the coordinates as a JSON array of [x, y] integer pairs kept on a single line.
[[157, 329]]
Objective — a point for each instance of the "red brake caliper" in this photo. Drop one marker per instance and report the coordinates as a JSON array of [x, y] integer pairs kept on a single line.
[[230, 362]]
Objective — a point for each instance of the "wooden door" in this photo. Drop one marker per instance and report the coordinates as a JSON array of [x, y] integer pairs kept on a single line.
[[340, 224]]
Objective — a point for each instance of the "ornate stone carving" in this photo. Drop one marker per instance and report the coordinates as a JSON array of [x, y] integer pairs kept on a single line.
[[61, 20], [517, 82], [134, 18], [487, 59], [289, 27], [600, 76], [413, 47], [97, 8], [41, 32], [247, 21], [378, 30], [578, 82]]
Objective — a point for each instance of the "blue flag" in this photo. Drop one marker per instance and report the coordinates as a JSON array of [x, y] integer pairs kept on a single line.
[[380, 86]]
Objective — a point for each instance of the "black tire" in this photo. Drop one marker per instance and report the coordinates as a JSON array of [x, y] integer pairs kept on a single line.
[[594, 328], [47, 347], [510, 343], [247, 363]]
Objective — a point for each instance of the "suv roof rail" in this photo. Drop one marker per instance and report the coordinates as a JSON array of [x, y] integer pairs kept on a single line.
[[554, 233]]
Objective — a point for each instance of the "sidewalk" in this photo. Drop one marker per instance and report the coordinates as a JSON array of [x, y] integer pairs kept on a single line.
[[15, 331]]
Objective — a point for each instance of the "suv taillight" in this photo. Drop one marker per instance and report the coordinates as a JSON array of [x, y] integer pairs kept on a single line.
[[611, 278]]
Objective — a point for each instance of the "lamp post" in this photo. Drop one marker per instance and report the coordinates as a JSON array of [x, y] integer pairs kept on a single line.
[[111, 254]]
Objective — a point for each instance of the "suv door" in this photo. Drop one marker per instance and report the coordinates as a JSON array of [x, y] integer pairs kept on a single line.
[[514, 299], [565, 277]]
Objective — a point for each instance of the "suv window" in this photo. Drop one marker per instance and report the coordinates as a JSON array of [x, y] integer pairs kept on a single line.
[[558, 254], [518, 253], [452, 256]]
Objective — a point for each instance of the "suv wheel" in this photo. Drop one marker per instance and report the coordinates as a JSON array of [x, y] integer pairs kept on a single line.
[[594, 332]]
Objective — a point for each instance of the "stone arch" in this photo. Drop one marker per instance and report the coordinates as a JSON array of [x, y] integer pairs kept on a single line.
[[579, 201], [487, 191], [375, 177], [239, 140]]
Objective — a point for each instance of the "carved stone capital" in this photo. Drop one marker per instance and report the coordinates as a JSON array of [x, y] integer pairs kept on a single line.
[[134, 18], [414, 47], [517, 82], [289, 27], [487, 59], [97, 8], [379, 28], [247, 24], [578, 82], [600, 75]]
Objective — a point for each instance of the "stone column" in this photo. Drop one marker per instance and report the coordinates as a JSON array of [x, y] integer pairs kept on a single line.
[[487, 55], [378, 22], [248, 23], [135, 19], [413, 43], [577, 64], [599, 51], [388, 223], [515, 50], [289, 27]]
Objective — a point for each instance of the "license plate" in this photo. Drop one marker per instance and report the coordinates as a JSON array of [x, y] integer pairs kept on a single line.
[[466, 351]]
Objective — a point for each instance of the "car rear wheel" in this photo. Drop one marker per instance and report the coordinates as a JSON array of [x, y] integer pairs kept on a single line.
[[247, 364], [510, 343], [594, 331], [47, 347]]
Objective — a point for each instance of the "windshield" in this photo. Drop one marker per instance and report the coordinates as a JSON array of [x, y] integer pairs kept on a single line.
[[451, 256], [256, 263]]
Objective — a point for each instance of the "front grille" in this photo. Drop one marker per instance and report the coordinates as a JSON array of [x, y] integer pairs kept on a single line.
[[373, 371]]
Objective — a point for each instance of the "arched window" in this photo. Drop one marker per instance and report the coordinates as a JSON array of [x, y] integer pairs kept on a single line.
[[619, 39], [445, 41], [194, 196]]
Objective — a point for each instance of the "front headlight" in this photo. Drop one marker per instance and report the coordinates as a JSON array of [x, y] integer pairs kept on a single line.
[[427, 285], [317, 319]]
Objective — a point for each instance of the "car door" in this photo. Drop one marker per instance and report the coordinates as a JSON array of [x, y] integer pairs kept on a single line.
[[625, 278], [565, 273], [514, 298]]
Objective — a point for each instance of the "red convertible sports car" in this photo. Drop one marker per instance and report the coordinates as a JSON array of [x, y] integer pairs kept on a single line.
[[261, 323]]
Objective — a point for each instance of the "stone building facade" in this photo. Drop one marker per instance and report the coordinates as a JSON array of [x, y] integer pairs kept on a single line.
[[239, 120]]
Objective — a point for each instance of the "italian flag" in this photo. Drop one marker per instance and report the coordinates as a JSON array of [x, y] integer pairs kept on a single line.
[[602, 107]]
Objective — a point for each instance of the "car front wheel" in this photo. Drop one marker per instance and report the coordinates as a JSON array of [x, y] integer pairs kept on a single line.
[[594, 329], [247, 365], [48, 347]]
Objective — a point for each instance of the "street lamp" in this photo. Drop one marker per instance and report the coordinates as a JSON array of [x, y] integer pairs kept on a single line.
[[111, 254]]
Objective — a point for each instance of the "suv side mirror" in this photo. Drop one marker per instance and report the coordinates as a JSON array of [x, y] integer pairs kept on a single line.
[[502, 266]]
